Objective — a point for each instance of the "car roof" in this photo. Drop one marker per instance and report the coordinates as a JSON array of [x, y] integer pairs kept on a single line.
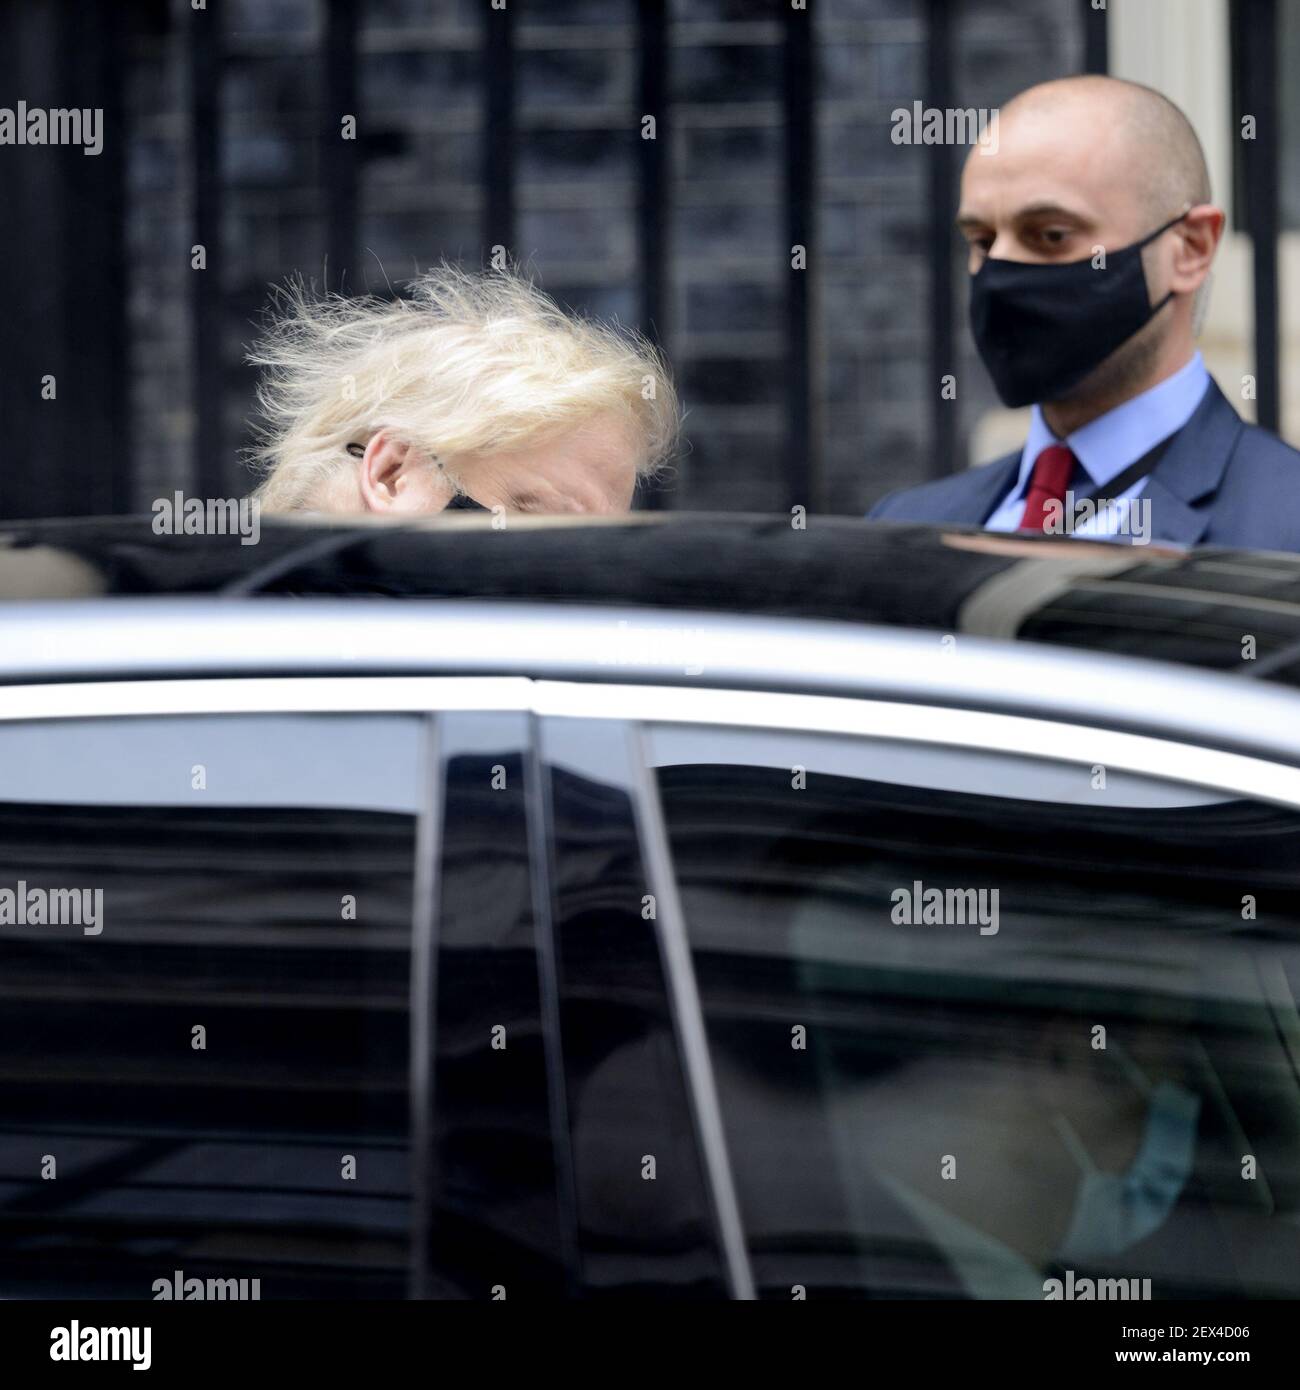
[[1213, 609]]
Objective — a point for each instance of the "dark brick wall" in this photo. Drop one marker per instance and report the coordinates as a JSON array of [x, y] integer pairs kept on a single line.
[[419, 110]]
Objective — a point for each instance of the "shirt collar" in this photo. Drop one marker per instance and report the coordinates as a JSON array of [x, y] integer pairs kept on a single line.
[[1112, 442]]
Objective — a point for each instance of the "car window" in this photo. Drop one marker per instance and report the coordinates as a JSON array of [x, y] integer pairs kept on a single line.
[[985, 1038], [495, 1226], [204, 948], [645, 1219]]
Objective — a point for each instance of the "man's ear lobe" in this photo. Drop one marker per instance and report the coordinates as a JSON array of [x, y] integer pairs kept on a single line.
[[1198, 247], [381, 471]]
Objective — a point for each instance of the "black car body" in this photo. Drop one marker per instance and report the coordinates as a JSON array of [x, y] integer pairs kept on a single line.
[[546, 912]]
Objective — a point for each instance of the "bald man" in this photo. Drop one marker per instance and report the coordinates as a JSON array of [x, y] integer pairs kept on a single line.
[[1091, 236]]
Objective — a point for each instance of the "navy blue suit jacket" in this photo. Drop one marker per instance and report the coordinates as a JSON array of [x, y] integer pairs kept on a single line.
[[1221, 482]]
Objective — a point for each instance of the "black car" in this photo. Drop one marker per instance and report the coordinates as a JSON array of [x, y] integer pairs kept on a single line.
[[698, 907]]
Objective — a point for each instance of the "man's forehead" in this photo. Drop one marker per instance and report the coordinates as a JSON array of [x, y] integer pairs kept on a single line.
[[1042, 164]]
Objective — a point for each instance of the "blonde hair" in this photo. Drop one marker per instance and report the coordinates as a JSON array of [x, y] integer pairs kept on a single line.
[[465, 364]]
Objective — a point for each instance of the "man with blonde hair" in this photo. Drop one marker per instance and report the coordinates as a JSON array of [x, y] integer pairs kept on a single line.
[[472, 389]]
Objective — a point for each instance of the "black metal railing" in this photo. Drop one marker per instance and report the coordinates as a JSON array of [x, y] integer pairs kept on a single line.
[[941, 215], [64, 386], [654, 187], [341, 149], [1254, 44], [498, 162], [802, 474], [65, 226], [207, 379]]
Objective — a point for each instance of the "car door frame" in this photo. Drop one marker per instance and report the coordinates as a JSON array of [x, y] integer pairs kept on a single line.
[[634, 705]]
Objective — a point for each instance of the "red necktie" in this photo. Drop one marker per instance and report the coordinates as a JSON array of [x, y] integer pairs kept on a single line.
[[1047, 483]]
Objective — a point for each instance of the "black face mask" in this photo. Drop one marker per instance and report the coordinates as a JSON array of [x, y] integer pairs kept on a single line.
[[1042, 328]]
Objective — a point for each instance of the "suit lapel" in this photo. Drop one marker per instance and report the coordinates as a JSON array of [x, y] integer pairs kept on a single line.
[[983, 489], [1192, 470], [1171, 518]]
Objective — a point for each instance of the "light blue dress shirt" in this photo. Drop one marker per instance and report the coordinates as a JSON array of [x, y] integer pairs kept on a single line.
[[1108, 445]]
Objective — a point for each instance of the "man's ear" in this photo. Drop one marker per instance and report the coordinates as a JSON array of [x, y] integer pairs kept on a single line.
[[393, 476], [1198, 239]]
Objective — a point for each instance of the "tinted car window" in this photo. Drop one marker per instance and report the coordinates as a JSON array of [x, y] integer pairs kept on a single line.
[[496, 1227], [644, 1217], [973, 1038], [209, 1080]]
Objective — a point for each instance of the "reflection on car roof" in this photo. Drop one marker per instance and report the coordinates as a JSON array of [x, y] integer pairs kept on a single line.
[[1226, 610]]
